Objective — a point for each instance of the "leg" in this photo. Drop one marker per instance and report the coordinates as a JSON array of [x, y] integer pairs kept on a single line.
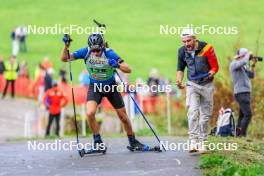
[[239, 120], [133, 142], [240, 117], [121, 112], [94, 98], [91, 107], [13, 88], [193, 104], [206, 110], [49, 124], [117, 102], [5, 89], [245, 106], [57, 118]]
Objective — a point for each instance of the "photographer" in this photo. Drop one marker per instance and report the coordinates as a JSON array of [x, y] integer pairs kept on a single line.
[[242, 69]]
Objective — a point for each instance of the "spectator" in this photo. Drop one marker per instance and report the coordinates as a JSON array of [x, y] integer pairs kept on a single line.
[[39, 81], [48, 79], [63, 75], [54, 99], [153, 82], [241, 75], [11, 69], [21, 33], [201, 62], [46, 64], [15, 44], [84, 78], [2, 65], [23, 70], [163, 82]]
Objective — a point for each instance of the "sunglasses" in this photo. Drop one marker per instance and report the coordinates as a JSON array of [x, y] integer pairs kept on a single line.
[[96, 51]]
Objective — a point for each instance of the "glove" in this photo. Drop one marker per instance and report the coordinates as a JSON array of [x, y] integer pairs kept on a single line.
[[113, 63], [67, 39]]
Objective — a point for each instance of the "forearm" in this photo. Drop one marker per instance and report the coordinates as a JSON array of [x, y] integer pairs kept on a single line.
[[124, 67], [180, 75], [64, 55], [239, 63]]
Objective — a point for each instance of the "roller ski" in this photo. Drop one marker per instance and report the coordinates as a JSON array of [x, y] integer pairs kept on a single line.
[[136, 146], [98, 148]]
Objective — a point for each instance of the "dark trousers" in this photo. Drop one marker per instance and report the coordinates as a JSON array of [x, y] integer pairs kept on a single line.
[[245, 112], [12, 88], [57, 118]]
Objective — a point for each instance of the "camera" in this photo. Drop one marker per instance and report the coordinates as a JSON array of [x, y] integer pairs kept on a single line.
[[258, 58]]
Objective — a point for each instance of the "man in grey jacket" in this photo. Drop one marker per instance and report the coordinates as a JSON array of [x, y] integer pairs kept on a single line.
[[241, 73]]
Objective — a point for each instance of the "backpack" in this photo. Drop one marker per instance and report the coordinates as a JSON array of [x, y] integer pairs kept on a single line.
[[226, 124]]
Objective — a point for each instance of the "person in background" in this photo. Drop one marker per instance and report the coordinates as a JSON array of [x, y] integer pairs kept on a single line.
[[2, 65], [48, 79], [23, 72], [241, 73], [63, 75], [39, 82], [15, 44], [10, 73], [153, 83], [200, 59], [46, 63], [84, 78], [54, 100], [163, 82], [2, 69], [21, 33]]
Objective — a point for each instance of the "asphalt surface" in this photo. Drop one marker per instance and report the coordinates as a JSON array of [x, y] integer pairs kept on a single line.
[[17, 159]]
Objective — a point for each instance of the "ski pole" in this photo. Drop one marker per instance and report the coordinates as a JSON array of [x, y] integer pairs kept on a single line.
[[142, 114], [73, 99], [72, 91], [99, 24]]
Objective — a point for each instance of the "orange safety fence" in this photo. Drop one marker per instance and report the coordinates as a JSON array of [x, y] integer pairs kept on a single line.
[[28, 88]]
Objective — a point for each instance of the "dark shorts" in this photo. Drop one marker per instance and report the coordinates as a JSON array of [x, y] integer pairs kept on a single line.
[[113, 96]]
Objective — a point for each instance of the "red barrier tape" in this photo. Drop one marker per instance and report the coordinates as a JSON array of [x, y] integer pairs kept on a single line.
[[28, 88]]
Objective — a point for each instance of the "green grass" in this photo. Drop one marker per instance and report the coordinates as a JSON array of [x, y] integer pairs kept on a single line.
[[133, 28], [247, 160]]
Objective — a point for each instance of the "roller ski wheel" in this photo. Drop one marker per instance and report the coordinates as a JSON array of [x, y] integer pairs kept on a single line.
[[145, 148], [84, 152]]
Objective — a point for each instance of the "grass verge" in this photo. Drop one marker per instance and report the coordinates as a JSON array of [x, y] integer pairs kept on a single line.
[[247, 160]]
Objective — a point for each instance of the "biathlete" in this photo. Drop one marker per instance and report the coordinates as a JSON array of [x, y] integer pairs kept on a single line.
[[101, 63]]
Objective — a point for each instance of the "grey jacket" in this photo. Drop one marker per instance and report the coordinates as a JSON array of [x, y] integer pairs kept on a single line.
[[241, 75]]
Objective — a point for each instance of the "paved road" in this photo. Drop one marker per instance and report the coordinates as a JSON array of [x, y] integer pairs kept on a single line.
[[16, 159]]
